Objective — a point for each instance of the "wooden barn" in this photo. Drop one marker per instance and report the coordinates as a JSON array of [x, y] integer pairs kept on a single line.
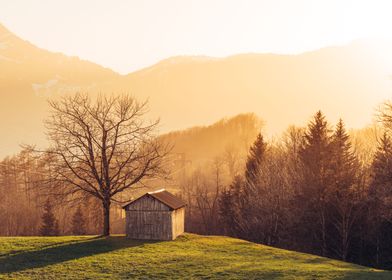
[[155, 215]]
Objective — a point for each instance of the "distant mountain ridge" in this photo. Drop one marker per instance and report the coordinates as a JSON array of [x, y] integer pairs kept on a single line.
[[347, 82]]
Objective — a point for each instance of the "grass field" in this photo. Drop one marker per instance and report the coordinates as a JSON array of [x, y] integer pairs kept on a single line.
[[188, 257]]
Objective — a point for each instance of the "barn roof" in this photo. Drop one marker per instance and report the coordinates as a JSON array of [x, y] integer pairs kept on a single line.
[[165, 197]]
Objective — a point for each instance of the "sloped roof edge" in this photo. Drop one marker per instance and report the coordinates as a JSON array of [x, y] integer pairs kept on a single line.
[[164, 197]]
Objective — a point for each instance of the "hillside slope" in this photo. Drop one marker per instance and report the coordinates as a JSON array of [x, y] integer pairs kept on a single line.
[[347, 81], [188, 91], [28, 76], [189, 257], [234, 134]]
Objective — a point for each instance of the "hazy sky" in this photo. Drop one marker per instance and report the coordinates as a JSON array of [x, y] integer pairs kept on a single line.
[[126, 35]]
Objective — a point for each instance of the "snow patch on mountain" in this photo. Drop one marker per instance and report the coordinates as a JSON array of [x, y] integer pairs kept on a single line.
[[6, 40], [58, 86], [3, 45], [2, 57], [45, 88]]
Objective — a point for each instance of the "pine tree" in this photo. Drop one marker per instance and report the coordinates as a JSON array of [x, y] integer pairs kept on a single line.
[[78, 222], [342, 193], [254, 162], [231, 206], [240, 205], [382, 166], [380, 196], [315, 156], [50, 225], [254, 192], [315, 153]]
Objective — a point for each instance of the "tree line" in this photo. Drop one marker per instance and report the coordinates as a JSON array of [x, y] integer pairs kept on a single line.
[[314, 194], [99, 149], [30, 207], [317, 189]]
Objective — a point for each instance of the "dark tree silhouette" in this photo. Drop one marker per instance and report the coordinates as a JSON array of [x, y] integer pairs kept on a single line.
[[246, 197], [50, 225], [231, 208], [79, 222], [312, 199], [343, 195], [380, 197], [254, 162]]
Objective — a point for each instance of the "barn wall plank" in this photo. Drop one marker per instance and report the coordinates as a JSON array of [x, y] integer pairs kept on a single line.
[[149, 225]]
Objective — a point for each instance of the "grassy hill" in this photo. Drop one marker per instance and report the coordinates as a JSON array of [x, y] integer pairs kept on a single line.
[[189, 257]]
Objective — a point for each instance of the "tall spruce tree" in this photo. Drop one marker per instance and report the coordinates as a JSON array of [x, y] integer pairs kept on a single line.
[[380, 207], [241, 204], [50, 226], [315, 155], [342, 196], [254, 163], [382, 166], [252, 195], [231, 206], [78, 222]]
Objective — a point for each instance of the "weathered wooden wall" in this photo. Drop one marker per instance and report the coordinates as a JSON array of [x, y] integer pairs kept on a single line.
[[178, 217], [151, 225], [148, 218]]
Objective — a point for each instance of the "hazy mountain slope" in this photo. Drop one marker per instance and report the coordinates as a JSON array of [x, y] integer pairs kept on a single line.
[[23, 63], [203, 143], [28, 76], [345, 81], [186, 91]]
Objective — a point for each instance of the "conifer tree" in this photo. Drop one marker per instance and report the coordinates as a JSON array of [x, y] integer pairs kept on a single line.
[[78, 222], [254, 162], [382, 166], [380, 197], [254, 192], [231, 206], [50, 225], [315, 155], [240, 205], [342, 193], [315, 152]]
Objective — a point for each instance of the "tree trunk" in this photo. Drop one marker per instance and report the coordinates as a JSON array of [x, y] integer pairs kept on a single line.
[[323, 234], [106, 218]]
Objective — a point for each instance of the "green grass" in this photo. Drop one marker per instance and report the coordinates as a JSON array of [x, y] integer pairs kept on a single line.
[[189, 257]]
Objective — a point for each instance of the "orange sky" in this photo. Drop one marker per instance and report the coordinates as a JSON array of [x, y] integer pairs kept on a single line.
[[128, 35]]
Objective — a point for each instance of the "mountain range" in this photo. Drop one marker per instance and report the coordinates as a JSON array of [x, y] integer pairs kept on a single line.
[[347, 81]]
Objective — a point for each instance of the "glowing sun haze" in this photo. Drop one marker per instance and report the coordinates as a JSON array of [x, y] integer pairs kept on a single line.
[[129, 35]]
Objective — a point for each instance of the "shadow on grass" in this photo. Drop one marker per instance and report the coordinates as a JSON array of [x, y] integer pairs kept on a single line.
[[367, 275], [62, 252], [36, 248]]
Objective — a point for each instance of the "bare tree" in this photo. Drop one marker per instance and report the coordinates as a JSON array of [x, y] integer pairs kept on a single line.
[[207, 198], [102, 147]]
